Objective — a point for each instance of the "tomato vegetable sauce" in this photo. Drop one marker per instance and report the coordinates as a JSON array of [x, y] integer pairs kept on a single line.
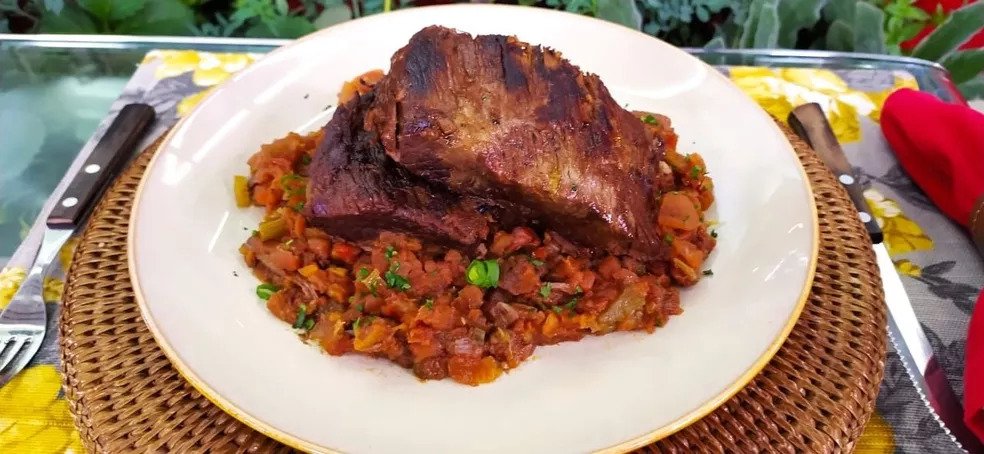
[[445, 313]]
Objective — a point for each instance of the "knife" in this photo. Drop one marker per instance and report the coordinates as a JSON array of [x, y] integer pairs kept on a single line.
[[904, 330], [86, 185]]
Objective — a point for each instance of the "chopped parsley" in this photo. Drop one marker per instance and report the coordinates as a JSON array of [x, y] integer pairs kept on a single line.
[[287, 179], [308, 324], [360, 307], [305, 159], [395, 281], [390, 252], [545, 290], [356, 324], [265, 291], [363, 273], [298, 207], [578, 290], [301, 315], [708, 272], [483, 273], [429, 303], [568, 306], [649, 119], [668, 238], [695, 172], [535, 261]]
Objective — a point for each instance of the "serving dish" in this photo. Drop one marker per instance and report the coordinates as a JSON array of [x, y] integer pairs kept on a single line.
[[612, 393]]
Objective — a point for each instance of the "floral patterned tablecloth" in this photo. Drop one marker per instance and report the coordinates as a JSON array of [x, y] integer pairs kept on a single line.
[[940, 269]]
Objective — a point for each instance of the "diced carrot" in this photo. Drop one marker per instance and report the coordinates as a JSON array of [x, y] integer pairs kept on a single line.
[[309, 270], [677, 211], [687, 252]]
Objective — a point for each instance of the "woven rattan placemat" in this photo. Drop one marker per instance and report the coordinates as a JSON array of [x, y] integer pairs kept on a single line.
[[815, 396]]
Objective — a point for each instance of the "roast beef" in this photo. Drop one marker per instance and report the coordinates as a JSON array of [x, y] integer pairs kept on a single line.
[[356, 191], [496, 118]]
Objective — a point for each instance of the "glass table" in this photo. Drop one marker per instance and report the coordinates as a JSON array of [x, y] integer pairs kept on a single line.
[[54, 90]]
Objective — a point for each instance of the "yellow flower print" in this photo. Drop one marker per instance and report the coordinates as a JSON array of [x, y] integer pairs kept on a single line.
[[10, 279], [878, 97], [66, 252], [188, 103], [877, 437], [779, 90], [907, 268], [53, 289], [902, 235], [33, 419], [207, 68]]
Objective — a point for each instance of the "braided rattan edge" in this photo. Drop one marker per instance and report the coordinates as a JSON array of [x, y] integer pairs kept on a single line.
[[816, 395]]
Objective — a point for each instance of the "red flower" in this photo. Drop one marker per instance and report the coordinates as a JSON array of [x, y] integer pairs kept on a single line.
[[947, 6]]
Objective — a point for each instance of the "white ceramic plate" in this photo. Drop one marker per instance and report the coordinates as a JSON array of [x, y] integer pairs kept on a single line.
[[607, 393]]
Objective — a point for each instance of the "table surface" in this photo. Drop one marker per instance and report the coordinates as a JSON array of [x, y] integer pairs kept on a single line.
[[56, 90]]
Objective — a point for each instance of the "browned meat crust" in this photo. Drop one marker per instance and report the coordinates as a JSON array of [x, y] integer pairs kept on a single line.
[[500, 119]]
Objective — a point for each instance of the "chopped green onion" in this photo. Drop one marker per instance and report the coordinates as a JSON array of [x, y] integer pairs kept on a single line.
[[301, 315], [578, 289], [536, 262], [571, 304], [557, 309], [363, 272], [298, 207], [429, 303], [308, 324], [708, 272], [695, 172], [286, 179], [668, 238], [356, 324], [545, 290], [649, 119], [305, 159], [483, 273], [360, 307], [395, 281], [390, 252], [265, 291]]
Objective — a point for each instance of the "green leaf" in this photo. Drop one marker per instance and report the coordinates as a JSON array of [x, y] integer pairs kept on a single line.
[[750, 25], [124, 9], [282, 8], [101, 9], [716, 43], [840, 36], [795, 15], [767, 34], [332, 15], [869, 33], [72, 19], [623, 12], [281, 27], [54, 6], [964, 65], [160, 17], [840, 10], [962, 24], [974, 88]]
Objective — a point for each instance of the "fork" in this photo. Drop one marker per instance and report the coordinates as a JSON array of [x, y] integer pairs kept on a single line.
[[24, 322]]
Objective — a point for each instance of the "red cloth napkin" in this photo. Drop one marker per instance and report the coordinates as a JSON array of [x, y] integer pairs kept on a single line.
[[941, 146]]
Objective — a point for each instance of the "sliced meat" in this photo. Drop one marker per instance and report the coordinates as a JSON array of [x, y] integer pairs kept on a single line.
[[497, 118], [356, 191]]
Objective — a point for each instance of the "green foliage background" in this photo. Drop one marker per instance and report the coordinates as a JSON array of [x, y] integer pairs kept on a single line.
[[872, 26]]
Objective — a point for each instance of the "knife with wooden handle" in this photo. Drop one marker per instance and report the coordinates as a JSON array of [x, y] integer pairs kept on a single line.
[[904, 330]]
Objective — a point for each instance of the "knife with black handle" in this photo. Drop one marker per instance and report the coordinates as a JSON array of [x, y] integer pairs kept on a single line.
[[904, 330]]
